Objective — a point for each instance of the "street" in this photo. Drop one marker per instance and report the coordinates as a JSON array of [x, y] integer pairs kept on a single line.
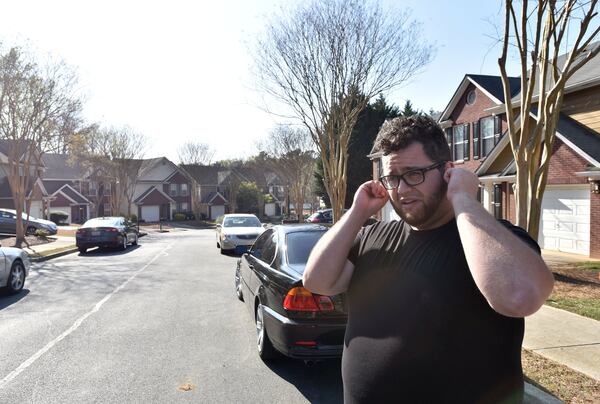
[[159, 323]]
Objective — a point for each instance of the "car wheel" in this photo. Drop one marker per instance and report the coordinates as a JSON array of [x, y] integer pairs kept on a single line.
[[30, 231], [135, 240], [263, 343], [218, 245], [238, 285], [82, 250], [16, 278]]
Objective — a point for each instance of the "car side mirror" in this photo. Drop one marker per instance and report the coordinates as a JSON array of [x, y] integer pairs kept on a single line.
[[265, 225]]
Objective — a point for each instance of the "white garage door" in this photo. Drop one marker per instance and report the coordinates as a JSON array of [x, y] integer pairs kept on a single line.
[[151, 213], [565, 222], [216, 211]]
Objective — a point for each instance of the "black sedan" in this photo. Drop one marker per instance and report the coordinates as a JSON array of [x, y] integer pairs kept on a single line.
[[289, 319], [106, 232]]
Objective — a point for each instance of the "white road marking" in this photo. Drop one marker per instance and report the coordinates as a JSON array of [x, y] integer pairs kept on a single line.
[[12, 375]]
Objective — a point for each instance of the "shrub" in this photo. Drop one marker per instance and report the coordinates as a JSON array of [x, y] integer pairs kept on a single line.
[[179, 216], [133, 217], [42, 233], [58, 217]]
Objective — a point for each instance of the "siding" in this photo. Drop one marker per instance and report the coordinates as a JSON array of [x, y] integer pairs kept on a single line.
[[584, 107]]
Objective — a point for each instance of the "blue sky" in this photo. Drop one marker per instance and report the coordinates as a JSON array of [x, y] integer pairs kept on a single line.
[[180, 70]]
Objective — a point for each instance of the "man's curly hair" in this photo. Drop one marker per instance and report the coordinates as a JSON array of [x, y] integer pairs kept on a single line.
[[399, 133]]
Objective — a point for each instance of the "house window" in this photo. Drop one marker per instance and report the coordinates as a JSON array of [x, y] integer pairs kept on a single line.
[[486, 126], [184, 207], [471, 97], [92, 189], [173, 190], [184, 189], [460, 142]]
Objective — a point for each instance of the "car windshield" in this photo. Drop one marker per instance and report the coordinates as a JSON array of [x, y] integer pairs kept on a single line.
[[300, 244], [241, 222], [103, 222]]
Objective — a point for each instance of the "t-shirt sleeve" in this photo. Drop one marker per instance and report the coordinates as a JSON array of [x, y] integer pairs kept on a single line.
[[522, 234], [355, 249]]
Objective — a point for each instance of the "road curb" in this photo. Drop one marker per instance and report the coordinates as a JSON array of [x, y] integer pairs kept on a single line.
[[55, 255]]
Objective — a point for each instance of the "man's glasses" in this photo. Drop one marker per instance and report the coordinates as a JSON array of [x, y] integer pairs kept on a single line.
[[411, 177]]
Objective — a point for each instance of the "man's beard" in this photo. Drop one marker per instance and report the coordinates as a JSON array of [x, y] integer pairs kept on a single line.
[[429, 207]]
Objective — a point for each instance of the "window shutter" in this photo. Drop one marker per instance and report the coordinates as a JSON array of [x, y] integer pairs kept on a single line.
[[467, 144], [476, 140], [497, 128], [449, 139]]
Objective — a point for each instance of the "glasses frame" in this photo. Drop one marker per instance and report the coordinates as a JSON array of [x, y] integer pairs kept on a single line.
[[401, 177]]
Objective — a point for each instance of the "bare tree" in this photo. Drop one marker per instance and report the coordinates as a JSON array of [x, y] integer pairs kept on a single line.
[[34, 99], [539, 31], [326, 59], [289, 153], [195, 153]]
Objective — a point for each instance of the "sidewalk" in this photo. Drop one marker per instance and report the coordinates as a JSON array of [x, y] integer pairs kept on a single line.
[[62, 246], [566, 338]]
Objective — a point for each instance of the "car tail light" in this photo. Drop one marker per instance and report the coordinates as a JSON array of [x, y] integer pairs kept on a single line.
[[111, 229], [308, 344], [301, 299]]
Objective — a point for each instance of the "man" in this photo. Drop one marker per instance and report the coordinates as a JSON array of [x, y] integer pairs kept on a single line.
[[436, 300]]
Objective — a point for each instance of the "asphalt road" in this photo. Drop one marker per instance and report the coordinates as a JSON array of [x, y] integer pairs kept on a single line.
[[158, 323]]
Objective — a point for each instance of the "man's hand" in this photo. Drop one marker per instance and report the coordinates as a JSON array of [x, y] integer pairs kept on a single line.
[[369, 199], [461, 182]]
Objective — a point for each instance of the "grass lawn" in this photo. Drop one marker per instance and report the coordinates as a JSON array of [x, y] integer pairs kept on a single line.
[[577, 288], [560, 381]]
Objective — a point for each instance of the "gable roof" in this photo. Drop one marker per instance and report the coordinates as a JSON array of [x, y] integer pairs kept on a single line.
[[23, 146], [72, 194], [213, 197], [52, 186], [489, 85], [203, 175], [58, 166], [140, 199]]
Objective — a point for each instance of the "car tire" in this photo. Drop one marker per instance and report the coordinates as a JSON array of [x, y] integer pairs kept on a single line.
[[224, 252], [135, 241], [82, 250], [30, 231], [16, 278], [238, 285], [266, 351]]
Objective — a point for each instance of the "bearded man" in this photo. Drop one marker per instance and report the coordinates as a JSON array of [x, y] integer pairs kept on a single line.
[[436, 300]]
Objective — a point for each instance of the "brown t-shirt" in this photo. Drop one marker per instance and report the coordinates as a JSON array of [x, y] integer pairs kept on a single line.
[[419, 329]]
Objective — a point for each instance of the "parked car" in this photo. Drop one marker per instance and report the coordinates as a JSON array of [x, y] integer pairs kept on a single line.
[[237, 232], [8, 223], [14, 269], [106, 232], [289, 319], [326, 216]]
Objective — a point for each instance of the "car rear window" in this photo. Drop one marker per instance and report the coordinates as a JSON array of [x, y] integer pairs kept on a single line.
[[241, 222], [102, 222], [300, 244]]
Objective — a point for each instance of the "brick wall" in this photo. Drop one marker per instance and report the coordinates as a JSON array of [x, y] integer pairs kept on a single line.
[[464, 113], [564, 163]]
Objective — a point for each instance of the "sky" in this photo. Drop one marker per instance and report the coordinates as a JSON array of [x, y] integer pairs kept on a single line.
[[180, 70]]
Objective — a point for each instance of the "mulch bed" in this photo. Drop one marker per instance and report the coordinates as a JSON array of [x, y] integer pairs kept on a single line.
[[31, 240]]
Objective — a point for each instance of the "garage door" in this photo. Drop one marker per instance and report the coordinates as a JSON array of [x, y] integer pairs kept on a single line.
[[216, 211], [151, 213], [565, 222]]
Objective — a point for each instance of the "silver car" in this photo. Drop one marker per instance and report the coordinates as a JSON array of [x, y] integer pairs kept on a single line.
[[14, 268], [8, 223], [238, 232]]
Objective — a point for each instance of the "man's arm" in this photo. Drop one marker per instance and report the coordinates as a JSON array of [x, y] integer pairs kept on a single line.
[[328, 270], [511, 275]]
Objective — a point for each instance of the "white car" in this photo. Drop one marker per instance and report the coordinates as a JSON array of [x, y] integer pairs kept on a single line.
[[238, 232], [14, 268]]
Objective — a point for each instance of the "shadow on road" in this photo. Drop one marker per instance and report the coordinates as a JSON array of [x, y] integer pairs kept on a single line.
[[319, 383], [107, 252], [6, 299]]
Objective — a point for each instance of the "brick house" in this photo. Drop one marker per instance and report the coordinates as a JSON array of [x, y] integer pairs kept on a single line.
[[475, 125], [161, 190]]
